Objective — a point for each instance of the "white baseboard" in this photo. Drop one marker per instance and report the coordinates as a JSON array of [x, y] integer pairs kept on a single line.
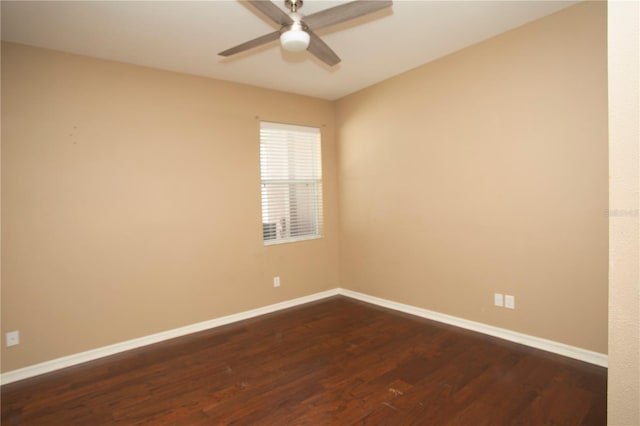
[[524, 339], [536, 342], [67, 361]]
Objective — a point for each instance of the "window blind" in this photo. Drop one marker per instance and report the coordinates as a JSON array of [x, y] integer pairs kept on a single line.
[[291, 180]]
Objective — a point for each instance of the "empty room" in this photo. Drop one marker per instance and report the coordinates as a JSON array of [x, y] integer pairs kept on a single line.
[[320, 213]]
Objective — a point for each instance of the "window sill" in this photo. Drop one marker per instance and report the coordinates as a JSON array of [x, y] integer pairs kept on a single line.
[[291, 240]]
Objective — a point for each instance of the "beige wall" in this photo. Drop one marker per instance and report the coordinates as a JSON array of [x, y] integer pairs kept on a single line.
[[483, 172], [624, 219], [131, 202]]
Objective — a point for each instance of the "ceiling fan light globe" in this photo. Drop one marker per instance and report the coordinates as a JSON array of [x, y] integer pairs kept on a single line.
[[294, 40]]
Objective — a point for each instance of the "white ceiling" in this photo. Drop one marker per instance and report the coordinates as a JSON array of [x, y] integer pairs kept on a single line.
[[185, 36]]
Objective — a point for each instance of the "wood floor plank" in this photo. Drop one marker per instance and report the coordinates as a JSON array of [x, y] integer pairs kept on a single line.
[[331, 362]]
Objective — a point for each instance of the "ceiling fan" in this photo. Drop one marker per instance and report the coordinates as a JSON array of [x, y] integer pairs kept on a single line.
[[296, 31]]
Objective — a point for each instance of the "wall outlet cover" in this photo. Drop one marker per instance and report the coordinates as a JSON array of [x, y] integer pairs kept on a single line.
[[13, 338], [497, 299], [509, 301]]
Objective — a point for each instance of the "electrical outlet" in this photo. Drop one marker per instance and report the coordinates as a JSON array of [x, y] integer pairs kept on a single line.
[[276, 281], [13, 338], [509, 301], [497, 299]]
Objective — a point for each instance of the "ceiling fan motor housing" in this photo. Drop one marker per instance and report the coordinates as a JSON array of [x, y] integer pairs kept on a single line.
[[295, 37]]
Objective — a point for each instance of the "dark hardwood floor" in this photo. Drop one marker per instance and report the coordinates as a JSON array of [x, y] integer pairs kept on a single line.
[[332, 362]]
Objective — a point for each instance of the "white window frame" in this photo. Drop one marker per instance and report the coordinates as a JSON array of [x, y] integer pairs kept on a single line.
[[291, 182]]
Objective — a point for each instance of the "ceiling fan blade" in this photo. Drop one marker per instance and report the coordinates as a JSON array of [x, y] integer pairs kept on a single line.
[[251, 44], [321, 50], [272, 11], [344, 12]]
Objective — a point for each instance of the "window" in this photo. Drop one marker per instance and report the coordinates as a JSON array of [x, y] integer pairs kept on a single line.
[[291, 180]]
